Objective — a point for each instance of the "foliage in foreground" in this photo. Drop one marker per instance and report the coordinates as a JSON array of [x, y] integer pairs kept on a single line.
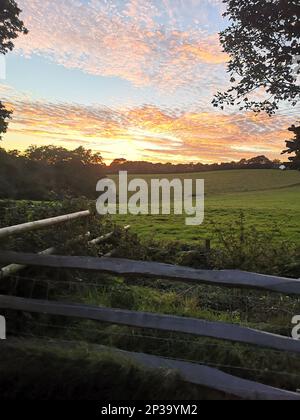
[[49, 172], [11, 26], [246, 248], [84, 374], [263, 43]]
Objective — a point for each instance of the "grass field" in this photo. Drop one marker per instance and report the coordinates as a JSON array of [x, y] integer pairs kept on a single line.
[[269, 200]]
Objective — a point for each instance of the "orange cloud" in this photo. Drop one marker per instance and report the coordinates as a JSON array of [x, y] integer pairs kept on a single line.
[[208, 51], [147, 132]]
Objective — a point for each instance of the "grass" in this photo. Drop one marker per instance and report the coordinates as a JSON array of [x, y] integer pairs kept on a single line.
[[269, 199]]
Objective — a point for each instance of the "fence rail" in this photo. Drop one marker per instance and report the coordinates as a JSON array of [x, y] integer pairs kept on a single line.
[[130, 268], [198, 327], [215, 379], [40, 224]]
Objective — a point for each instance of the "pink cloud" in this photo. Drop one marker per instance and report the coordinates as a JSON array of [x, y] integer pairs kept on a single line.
[[102, 38]]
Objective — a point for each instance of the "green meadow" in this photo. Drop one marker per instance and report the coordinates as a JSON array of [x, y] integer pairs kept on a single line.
[[268, 199]]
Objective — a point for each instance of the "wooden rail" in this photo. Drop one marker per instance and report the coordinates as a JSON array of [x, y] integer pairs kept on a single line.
[[231, 278], [214, 379], [198, 327], [40, 224], [12, 269]]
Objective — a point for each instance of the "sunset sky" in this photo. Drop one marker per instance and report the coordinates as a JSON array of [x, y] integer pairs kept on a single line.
[[132, 79]]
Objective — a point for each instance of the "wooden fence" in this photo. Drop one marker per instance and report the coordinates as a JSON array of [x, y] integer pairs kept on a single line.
[[195, 373]]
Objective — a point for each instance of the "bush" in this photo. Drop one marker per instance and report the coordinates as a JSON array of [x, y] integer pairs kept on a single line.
[[245, 248]]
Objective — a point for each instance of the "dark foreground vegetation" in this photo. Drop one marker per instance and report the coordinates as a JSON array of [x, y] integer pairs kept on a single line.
[[83, 372], [46, 173]]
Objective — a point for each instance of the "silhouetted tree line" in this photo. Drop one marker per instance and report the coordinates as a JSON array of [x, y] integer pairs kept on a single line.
[[46, 173], [259, 162]]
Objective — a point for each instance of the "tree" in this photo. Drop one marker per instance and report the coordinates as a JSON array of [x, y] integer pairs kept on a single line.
[[293, 146], [5, 115], [117, 163], [49, 172], [10, 28], [52, 155], [263, 44], [87, 156]]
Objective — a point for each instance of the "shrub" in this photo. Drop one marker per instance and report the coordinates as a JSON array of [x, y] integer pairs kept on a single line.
[[243, 247]]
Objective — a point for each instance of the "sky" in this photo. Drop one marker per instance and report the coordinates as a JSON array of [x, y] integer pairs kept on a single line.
[[131, 79]]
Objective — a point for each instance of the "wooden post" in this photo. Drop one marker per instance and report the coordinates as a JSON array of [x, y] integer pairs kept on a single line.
[[208, 245]]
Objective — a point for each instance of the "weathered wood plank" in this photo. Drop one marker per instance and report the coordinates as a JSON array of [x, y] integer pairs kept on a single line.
[[12, 269], [190, 372], [130, 268], [198, 327], [40, 224], [215, 379]]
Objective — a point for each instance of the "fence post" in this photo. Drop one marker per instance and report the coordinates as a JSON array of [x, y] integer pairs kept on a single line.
[[208, 245]]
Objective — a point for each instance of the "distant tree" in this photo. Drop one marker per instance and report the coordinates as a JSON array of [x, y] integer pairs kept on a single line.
[[243, 162], [53, 155], [259, 161], [293, 146], [48, 154], [118, 162], [263, 44], [10, 27], [87, 156], [277, 163]]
